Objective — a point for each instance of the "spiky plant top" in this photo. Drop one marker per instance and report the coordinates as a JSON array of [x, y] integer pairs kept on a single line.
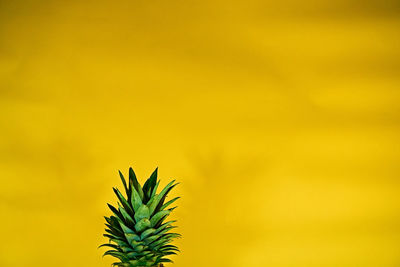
[[137, 231]]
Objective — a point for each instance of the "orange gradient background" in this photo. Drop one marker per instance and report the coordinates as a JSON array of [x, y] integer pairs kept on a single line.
[[281, 120]]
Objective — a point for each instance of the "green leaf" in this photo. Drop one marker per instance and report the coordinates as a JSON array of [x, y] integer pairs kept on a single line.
[[139, 248], [160, 204], [154, 191], [116, 212], [126, 249], [169, 203], [169, 247], [123, 201], [160, 196], [142, 225], [147, 233], [171, 209], [113, 233], [164, 225], [133, 181], [169, 253], [126, 229], [116, 254], [165, 230], [158, 216], [166, 260], [113, 222], [133, 254], [121, 243], [172, 235], [150, 239], [136, 200], [149, 185], [131, 237], [159, 242], [124, 183], [142, 212], [116, 227], [111, 246], [126, 216]]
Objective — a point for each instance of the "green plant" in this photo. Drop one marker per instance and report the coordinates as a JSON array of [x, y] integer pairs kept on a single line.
[[137, 232]]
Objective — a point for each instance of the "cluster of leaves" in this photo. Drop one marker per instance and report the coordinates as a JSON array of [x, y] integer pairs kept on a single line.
[[137, 232]]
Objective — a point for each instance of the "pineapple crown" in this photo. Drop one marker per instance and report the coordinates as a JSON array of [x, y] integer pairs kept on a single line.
[[137, 232]]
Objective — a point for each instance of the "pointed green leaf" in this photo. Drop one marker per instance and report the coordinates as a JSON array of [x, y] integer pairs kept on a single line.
[[158, 197], [169, 253], [124, 183], [171, 209], [133, 254], [160, 221], [172, 235], [147, 233], [150, 239], [142, 212], [113, 221], [136, 200], [113, 232], [157, 217], [126, 216], [169, 203], [139, 248], [119, 241], [160, 242], [165, 230], [131, 237], [116, 254], [150, 184], [123, 201], [116, 212], [164, 225], [166, 260], [142, 225], [133, 180], [126, 229], [110, 245], [170, 247], [154, 191], [126, 249], [161, 202]]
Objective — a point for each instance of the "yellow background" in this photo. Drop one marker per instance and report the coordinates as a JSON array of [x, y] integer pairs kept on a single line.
[[281, 120]]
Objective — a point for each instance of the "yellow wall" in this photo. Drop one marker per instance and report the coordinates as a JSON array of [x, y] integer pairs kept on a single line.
[[279, 118]]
